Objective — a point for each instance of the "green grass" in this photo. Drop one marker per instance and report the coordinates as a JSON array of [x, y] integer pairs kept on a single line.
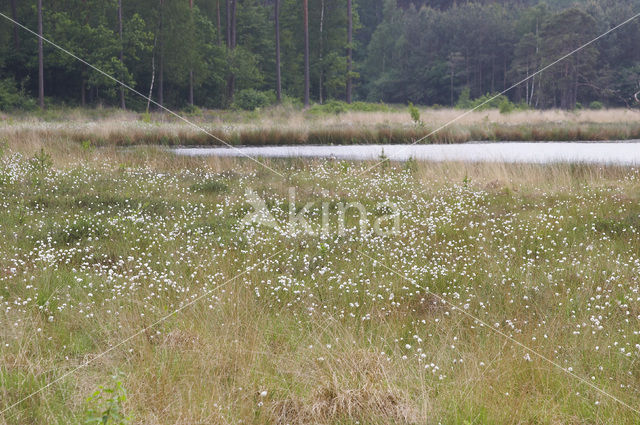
[[93, 252]]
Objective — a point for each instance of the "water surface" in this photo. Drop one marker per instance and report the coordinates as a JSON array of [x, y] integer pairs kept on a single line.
[[622, 152]]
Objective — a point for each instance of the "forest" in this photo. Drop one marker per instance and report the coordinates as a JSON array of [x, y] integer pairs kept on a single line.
[[251, 53]]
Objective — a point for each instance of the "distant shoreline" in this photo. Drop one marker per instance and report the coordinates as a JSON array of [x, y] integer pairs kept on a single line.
[[285, 126]]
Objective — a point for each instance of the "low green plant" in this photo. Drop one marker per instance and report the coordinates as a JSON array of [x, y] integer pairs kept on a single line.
[[192, 110], [411, 164], [415, 113], [250, 99], [211, 186], [506, 106], [384, 160], [464, 100], [486, 101], [4, 147], [329, 107], [595, 105], [86, 145], [41, 162], [106, 405], [338, 107], [13, 97]]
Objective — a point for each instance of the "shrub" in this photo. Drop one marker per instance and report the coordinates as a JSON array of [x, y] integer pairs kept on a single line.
[[41, 162], [250, 99], [464, 100], [368, 107], [12, 97], [506, 106], [338, 107], [192, 110], [595, 105], [290, 101], [415, 113], [383, 160], [330, 107], [486, 101]]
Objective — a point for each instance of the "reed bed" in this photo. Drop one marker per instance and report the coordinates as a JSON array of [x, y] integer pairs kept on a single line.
[[284, 126]]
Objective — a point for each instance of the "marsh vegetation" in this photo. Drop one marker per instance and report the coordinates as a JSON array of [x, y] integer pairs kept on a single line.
[[97, 244]]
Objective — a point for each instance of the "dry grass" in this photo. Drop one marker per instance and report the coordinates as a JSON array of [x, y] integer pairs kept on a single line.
[[287, 126]]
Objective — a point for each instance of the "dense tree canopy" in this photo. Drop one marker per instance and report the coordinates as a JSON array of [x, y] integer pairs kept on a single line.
[[422, 51]]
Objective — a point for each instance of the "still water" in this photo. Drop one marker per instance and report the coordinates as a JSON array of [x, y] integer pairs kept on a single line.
[[622, 153]]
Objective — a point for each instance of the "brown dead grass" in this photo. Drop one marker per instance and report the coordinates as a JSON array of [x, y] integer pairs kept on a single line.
[[285, 126], [356, 387]]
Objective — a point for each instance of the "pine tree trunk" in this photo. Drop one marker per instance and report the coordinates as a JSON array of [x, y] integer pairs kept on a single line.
[[161, 78], [161, 64], [228, 26], [14, 15], [191, 70], [233, 23], [122, 101], [320, 48], [219, 28], [305, 8], [40, 59], [349, 49], [278, 73], [231, 44]]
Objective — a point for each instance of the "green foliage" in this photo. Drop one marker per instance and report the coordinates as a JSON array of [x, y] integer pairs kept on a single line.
[[210, 186], [41, 162], [330, 107], [464, 100], [192, 110], [368, 107], [596, 105], [86, 145], [4, 146], [106, 405], [384, 160], [424, 52], [250, 99], [415, 113], [487, 101], [506, 106], [12, 97], [338, 107], [411, 165]]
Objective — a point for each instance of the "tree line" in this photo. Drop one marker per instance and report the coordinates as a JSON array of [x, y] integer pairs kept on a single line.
[[221, 53]]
